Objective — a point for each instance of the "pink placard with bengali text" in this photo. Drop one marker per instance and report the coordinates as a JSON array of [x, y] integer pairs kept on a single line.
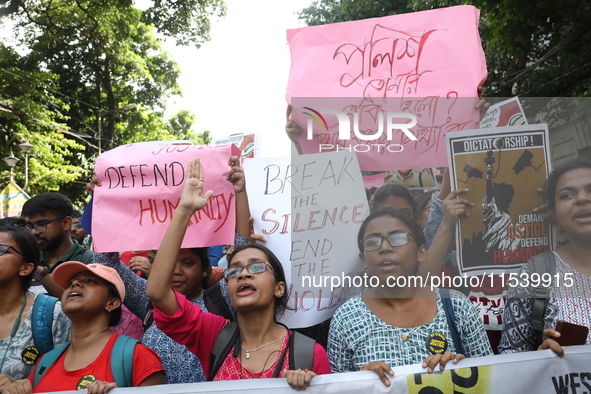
[[141, 187], [426, 64]]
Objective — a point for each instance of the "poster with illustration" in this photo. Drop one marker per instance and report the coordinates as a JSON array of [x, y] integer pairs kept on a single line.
[[244, 142], [503, 169]]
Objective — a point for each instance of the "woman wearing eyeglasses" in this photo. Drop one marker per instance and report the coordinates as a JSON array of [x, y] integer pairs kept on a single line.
[[398, 322], [257, 289], [19, 257]]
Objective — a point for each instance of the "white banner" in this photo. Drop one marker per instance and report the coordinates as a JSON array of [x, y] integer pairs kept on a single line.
[[540, 372], [310, 208]]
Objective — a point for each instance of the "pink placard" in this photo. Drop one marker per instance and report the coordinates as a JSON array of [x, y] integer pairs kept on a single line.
[[375, 180], [426, 64], [141, 187]]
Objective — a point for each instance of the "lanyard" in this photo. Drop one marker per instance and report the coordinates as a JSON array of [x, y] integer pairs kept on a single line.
[[15, 326]]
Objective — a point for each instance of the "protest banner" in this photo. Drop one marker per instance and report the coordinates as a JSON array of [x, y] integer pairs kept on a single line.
[[141, 187], [540, 372], [375, 180], [503, 169], [13, 199], [245, 142], [505, 113], [415, 75], [420, 178], [309, 208]]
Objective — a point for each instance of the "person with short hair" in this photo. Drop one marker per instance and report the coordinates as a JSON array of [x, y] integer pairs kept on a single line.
[[49, 217], [77, 232]]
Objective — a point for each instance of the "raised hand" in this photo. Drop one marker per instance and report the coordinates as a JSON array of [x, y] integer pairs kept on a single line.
[[193, 198]]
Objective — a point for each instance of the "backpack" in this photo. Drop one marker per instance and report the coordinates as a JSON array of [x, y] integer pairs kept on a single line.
[[87, 257], [301, 350], [450, 315], [541, 264], [121, 361], [213, 300], [42, 322]]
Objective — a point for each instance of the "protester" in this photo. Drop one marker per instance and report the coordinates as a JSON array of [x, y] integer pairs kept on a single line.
[[423, 205], [403, 324], [49, 217], [568, 192], [256, 284], [77, 233], [92, 299], [19, 256], [192, 275]]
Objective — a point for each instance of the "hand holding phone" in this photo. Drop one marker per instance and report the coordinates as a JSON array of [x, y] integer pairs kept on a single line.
[[571, 334]]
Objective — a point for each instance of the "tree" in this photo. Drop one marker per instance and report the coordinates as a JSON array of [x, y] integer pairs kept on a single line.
[[538, 51], [111, 79]]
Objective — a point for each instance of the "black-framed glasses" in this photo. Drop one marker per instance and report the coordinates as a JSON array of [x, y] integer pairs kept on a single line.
[[42, 225], [4, 249], [254, 268], [398, 238]]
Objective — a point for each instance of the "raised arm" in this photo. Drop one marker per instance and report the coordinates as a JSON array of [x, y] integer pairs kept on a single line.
[[236, 177], [192, 199]]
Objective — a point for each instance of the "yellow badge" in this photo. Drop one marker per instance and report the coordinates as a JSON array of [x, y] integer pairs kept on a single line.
[[30, 355], [436, 343], [85, 382]]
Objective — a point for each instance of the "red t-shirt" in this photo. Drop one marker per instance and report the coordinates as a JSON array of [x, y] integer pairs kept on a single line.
[[198, 330], [145, 363]]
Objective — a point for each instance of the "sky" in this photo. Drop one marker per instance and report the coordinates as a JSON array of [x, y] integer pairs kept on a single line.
[[236, 82]]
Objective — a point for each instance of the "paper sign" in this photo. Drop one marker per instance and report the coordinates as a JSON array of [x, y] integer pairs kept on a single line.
[[244, 142], [503, 169], [141, 187], [426, 64], [310, 208], [505, 113], [376, 180]]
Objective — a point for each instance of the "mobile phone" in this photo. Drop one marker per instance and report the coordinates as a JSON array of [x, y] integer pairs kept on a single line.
[[571, 334]]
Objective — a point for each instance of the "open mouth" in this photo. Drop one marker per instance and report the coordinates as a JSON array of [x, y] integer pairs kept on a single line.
[[74, 293], [245, 289], [583, 215]]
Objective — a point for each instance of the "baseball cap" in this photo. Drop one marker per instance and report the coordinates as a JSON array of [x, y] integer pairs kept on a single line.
[[64, 272]]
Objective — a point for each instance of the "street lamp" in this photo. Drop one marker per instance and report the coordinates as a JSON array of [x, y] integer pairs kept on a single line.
[[99, 115], [11, 161], [25, 148]]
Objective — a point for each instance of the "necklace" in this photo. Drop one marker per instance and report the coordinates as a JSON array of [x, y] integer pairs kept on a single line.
[[13, 316], [247, 352]]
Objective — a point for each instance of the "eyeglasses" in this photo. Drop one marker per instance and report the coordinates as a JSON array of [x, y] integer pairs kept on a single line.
[[255, 268], [77, 225], [4, 248], [399, 238], [42, 226]]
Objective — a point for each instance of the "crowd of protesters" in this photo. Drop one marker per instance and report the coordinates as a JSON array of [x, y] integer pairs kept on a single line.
[[192, 321]]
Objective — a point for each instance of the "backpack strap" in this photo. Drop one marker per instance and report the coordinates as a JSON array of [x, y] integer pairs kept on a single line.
[[47, 361], [541, 264], [42, 322], [227, 338], [87, 257], [215, 303], [122, 360], [451, 319]]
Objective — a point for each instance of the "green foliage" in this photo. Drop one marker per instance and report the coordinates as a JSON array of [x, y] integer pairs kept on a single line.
[[94, 69]]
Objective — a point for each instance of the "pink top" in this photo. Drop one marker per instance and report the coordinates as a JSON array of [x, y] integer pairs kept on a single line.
[[198, 330]]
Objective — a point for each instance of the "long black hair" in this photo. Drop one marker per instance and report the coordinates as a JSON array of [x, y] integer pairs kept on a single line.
[[26, 243]]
